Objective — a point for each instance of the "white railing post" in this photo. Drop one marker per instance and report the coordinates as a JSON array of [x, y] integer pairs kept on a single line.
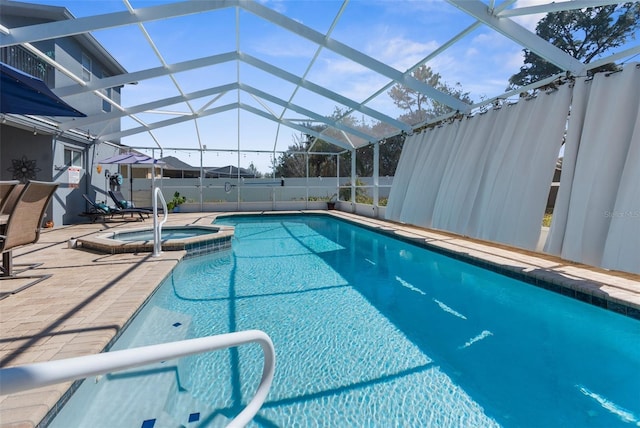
[[157, 226], [36, 375]]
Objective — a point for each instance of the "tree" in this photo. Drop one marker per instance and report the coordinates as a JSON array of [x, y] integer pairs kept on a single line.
[[585, 34], [390, 151], [253, 170], [420, 107], [290, 163], [293, 162]]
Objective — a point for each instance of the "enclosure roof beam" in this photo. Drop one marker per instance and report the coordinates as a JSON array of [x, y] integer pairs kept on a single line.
[[521, 35], [150, 73], [72, 27], [285, 75], [153, 105], [295, 126], [216, 110], [168, 122], [218, 59], [354, 55], [303, 111], [555, 7]]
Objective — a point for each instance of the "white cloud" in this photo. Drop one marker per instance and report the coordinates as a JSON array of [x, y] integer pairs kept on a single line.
[[363, 88], [513, 60], [491, 38], [529, 21], [401, 53], [471, 52], [343, 67], [277, 5]]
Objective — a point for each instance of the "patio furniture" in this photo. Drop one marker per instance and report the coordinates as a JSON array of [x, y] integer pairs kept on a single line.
[[6, 187], [103, 211], [119, 199], [122, 202], [23, 228]]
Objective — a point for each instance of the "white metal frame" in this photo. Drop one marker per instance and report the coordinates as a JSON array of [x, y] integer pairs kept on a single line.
[[498, 18]]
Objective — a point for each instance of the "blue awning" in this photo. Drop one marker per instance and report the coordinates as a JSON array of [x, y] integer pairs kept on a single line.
[[21, 93]]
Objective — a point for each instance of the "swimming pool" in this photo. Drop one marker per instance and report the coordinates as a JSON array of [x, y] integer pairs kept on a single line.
[[369, 331]]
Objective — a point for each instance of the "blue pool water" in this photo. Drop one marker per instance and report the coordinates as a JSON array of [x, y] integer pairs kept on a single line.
[[369, 331], [167, 233]]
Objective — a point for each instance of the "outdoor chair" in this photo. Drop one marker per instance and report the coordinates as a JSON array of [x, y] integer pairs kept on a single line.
[[119, 199], [103, 211], [23, 228], [10, 200], [121, 202], [6, 190]]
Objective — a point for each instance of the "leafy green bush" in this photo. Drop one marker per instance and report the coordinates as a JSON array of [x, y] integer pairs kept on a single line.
[[176, 201], [361, 193]]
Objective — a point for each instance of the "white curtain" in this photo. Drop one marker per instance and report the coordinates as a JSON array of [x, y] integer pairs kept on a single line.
[[490, 193], [622, 248], [486, 176], [402, 176], [602, 218], [520, 170], [443, 145], [410, 212], [430, 163], [572, 142], [489, 176], [454, 203]]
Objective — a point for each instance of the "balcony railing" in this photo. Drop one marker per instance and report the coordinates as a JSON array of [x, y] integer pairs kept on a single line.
[[20, 58]]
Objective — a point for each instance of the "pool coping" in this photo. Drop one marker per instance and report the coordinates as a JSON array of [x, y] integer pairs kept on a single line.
[[219, 239]]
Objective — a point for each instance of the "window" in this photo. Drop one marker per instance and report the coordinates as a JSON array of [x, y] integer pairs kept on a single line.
[[106, 106], [86, 68], [72, 157]]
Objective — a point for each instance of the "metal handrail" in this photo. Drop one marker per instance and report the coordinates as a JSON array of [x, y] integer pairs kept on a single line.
[[36, 375], [157, 227]]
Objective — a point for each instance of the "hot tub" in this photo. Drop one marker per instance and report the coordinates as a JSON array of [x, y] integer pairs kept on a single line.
[[195, 239]]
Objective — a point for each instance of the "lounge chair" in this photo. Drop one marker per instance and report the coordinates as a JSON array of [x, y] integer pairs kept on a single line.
[[103, 211], [23, 228], [119, 199], [121, 202]]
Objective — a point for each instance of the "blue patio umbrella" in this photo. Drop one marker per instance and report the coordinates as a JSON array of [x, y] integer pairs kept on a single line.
[[21, 93]]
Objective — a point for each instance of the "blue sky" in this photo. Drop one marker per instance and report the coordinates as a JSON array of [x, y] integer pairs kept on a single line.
[[397, 32]]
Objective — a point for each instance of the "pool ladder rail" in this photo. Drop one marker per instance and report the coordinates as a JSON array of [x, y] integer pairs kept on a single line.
[[36, 375], [157, 226]]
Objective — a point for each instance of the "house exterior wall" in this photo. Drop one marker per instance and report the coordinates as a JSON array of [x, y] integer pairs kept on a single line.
[[19, 149], [68, 52], [47, 148]]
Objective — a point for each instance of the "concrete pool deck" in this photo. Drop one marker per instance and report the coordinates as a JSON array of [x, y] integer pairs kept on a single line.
[[91, 296]]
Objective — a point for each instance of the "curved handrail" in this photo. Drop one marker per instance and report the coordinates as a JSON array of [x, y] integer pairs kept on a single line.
[[157, 227], [36, 375]]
